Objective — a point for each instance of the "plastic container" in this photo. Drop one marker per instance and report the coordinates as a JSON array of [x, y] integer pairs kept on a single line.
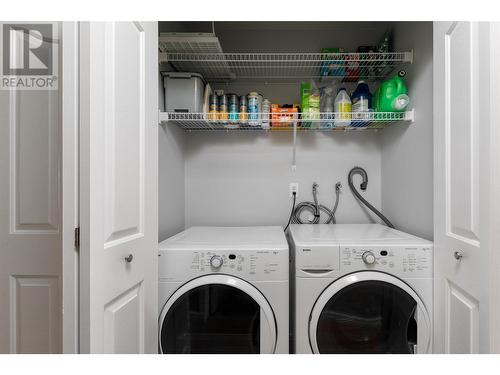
[[361, 98], [266, 109], [223, 108], [392, 95], [183, 92], [314, 99], [259, 110], [327, 107], [333, 67], [343, 108], [353, 70], [243, 111], [305, 90], [213, 107], [206, 98], [282, 117], [310, 96], [361, 105], [234, 108], [253, 109]]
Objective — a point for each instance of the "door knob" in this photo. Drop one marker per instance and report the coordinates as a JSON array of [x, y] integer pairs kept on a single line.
[[129, 258], [458, 255]]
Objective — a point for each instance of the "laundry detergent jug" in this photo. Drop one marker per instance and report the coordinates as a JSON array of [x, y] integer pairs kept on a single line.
[[392, 95]]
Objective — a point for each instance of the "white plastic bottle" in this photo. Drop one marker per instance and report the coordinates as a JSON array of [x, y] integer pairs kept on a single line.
[[343, 108]]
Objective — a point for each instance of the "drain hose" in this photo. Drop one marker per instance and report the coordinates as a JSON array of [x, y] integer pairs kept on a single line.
[[363, 186]]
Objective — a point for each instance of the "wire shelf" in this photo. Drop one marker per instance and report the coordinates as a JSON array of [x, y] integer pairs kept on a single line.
[[286, 121], [349, 67]]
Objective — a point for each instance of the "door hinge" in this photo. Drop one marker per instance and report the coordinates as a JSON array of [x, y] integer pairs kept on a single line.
[[77, 237]]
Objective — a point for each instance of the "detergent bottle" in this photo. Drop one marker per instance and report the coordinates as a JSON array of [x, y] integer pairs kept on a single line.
[[361, 105], [361, 98], [392, 95], [342, 107]]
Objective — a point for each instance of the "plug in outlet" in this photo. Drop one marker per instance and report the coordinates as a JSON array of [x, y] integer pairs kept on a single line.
[[293, 188]]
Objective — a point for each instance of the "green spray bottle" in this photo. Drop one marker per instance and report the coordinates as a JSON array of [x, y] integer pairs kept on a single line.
[[392, 95]]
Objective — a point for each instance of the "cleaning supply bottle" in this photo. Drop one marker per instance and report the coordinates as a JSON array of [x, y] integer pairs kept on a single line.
[[392, 95], [314, 105], [305, 93], [361, 98], [361, 104], [342, 108]]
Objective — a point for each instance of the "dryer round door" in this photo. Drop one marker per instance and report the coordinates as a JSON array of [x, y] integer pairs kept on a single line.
[[369, 312], [217, 314]]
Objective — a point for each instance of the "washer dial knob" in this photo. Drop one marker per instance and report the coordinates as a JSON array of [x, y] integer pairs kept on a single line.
[[368, 257], [216, 261]]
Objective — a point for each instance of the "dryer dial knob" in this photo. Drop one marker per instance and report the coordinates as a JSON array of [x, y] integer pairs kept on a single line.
[[216, 261], [368, 257]]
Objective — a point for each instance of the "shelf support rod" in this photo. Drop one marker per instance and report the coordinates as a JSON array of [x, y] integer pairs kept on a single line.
[[294, 147]]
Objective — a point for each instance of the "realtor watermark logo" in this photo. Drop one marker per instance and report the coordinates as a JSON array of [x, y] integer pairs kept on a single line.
[[30, 53]]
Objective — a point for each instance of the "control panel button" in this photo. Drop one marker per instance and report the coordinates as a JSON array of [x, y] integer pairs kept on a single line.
[[368, 257], [216, 261]]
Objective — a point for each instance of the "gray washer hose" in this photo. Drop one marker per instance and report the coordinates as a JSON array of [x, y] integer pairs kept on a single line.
[[363, 186], [317, 208]]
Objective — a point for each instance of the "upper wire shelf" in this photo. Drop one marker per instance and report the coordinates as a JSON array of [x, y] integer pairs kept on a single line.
[[332, 121], [349, 67]]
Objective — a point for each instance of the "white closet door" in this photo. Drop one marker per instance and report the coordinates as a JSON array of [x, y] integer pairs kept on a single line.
[[30, 220], [464, 161], [118, 202]]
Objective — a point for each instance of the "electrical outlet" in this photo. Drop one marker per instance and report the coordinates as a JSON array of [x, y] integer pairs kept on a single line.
[[293, 188]]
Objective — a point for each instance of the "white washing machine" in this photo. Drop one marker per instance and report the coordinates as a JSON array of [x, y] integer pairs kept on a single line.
[[224, 290], [360, 288]]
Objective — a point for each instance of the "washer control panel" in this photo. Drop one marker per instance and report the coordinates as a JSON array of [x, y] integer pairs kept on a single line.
[[255, 264], [408, 261]]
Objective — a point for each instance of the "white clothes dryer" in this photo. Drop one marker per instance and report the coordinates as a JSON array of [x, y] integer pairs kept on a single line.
[[224, 290], [360, 288]]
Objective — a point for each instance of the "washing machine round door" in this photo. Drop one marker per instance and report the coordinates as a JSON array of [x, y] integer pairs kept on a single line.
[[217, 314], [369, 312]]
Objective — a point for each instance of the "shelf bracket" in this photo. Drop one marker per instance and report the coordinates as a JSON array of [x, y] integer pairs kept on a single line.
[[411, 115], [162, 58]]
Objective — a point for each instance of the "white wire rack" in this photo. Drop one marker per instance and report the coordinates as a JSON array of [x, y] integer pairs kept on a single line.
[[349, 67], [285, 122], [193, 44]]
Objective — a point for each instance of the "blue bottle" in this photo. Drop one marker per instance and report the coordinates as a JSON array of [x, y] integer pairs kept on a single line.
[[361, 104], [361, 98]]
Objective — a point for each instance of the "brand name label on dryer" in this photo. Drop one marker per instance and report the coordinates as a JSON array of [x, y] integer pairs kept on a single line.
[[318, 258]]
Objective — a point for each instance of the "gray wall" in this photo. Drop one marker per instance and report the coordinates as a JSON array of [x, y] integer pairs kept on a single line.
[[278, 36], [407, 150], [242, 179], [171, 181]]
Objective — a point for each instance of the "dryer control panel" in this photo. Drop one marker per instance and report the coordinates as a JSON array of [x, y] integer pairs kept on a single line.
[[406, 261], [249, 265]]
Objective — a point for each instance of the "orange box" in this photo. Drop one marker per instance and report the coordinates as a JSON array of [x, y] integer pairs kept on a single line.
[[283, 117]]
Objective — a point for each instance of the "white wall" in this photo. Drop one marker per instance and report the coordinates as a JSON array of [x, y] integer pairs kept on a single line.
[[407, 156], [242, 179]]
